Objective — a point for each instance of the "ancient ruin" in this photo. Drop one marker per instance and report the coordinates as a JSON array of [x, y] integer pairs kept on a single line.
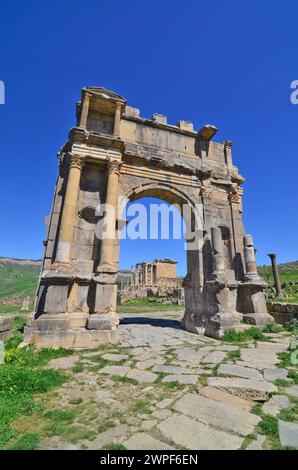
[[113, 152], [156, 279]]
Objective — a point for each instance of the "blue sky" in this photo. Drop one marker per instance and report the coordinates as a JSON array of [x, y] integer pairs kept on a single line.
[[227, 63]]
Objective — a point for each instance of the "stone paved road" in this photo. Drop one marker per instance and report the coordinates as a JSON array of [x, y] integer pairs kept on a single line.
[[164, 388]]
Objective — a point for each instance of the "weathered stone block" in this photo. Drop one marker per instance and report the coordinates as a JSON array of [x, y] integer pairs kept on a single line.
[[99, 322], [6, 323]]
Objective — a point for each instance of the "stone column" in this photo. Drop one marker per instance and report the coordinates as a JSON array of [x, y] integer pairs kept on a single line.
[[85, 110], [69, 211], [228, 154], [217, 246], [272, 256], [107, 245], [117, 119], [249, 254]]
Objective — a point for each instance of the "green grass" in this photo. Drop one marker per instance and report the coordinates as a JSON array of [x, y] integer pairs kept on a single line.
[[269, 426], [26, 442], [290, 414], [105, 425], [21, 378], [142, 406], [17, 279], [233, 355], [272, 328], [111, 446], [124, 379], [253, 333]]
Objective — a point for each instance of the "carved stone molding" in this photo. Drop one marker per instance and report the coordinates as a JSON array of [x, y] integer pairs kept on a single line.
[[76, 161], [235, 195], [114, 167]]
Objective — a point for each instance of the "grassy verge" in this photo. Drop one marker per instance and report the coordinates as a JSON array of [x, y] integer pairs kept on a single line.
[[21, 378]]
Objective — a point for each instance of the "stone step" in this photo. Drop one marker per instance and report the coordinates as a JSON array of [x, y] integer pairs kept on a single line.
[[228, 370]]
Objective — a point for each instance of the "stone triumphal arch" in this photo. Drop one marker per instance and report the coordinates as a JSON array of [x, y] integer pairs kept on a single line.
[[114, 154]]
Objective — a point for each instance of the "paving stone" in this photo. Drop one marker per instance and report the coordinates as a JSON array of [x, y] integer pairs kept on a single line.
[[258, 390], [257, 444], [193, 435], [239, 371], [66, 362], [189, 355], [275, 373], [142, 375], [148, 424], [104, 396], [169, 369], [115, 357], [259, 358], [115, 370], [164, 403], [115, 435], [220, 415], [182, 379], [143, 441], [162, 414], [225, 397], [214, 357], [293, 391], [276, 404], [288, 434], [227, 347]]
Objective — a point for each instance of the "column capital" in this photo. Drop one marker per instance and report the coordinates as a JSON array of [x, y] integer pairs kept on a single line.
[[118, 105], [228, 144], [76, 161], [87, 95], [113, 167]]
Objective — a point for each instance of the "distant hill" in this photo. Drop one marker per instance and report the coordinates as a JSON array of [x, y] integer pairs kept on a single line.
[[283, 267], [18, 277]]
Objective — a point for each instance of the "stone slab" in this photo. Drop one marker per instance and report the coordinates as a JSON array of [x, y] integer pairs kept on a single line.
[[288, 434], [193, 435], [115, 370], [143, 441], [182, 379], [142, 375], [258, 390], [220, 415], [114, 357], [275, 373], [225, 397], [293, 391], [276, 404], [6, 323], [230, 370]]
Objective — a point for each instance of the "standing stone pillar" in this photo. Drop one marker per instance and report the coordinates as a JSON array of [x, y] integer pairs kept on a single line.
[[217, 245], [251, 296], [272, 256], [85, 110], [250, 257], [107, 244], [117, 119], [69, 212], [104, 316]]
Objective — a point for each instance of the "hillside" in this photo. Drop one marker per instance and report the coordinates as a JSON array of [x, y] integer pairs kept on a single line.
[[18, 277]]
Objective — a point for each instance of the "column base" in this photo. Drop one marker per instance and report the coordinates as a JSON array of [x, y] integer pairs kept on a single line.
[[258, 319], [214, 326], [68, 331]]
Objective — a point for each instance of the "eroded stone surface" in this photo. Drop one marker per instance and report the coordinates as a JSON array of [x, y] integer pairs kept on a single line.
[[217, 414], [258, 390], [225, 397], [238, 371], [141, 440], [288, 434], [194, 435]]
